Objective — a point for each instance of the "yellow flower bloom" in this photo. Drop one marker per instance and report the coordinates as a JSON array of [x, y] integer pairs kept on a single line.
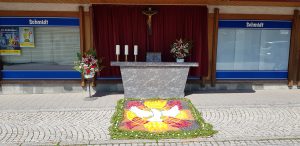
[[182, 115], [156, 126], [158, 104], [130, 115]]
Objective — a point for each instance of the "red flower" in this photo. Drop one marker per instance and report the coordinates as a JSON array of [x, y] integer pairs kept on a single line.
[[87, 71], [130, 124], [172, 103], [133, 103], [135, 122], [174, 122]]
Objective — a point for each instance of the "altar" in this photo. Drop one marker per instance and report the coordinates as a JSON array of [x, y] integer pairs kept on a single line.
[[154, 79]]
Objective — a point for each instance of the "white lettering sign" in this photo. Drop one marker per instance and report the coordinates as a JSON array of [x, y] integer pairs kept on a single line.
[[7, 29], [253, 24], [34, 21]]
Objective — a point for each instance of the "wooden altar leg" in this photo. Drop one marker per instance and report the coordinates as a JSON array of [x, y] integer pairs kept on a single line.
[[82, 81], [94, 81], [290, 84], [202, 82]]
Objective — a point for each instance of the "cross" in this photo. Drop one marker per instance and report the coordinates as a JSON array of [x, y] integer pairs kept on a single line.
[[149, 13]]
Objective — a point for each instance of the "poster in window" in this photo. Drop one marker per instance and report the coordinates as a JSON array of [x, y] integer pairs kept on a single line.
[[26, 37], [9, 41]]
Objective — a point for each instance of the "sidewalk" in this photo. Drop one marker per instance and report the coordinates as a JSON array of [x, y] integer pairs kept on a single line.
[[264, 117]]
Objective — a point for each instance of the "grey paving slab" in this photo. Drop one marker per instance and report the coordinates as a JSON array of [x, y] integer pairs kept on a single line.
[[59, 101], [260, 118]]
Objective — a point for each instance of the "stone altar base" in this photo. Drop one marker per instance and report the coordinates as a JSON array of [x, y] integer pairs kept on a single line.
[[154, 79], [154, 82]]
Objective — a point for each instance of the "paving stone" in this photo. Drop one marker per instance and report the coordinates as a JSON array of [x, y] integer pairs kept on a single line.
[[70, 119]]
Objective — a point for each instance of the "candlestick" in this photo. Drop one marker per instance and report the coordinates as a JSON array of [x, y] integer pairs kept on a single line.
[[135, 50], [126, 49], [117, 49], [126, 52]]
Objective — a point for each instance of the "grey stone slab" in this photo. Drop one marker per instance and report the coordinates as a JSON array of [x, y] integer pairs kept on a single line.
[[28, 89], [52, 88], [11, 89], [154, 79], [154, 64], [148, 82], [38, 90]]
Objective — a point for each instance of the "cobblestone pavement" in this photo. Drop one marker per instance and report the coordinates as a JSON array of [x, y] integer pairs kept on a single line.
[[85, 122]]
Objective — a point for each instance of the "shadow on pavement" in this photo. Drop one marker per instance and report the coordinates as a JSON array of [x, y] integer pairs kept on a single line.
[[102, 94], [219, 91]]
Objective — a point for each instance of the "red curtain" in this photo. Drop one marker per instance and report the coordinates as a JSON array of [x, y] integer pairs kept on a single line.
[[126, 25]]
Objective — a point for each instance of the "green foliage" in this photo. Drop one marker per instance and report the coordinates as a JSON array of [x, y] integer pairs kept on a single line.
[[91, 52], [205, 129], [58, 144], [181, 48]]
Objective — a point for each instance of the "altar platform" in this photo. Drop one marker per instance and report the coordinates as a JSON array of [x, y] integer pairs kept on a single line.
[[154, 79]]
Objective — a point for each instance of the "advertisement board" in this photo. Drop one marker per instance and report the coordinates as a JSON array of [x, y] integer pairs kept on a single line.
[[9, 41]]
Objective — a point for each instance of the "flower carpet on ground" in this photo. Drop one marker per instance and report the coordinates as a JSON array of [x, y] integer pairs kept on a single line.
[[157, 119]]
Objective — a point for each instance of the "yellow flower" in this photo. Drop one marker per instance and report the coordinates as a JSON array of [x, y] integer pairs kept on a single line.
[[130, 115], [158, 104], [156, 126], [182, 115]]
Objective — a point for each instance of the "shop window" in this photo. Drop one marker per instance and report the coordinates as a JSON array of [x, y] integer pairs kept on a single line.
[[55, 49], [253, 49]]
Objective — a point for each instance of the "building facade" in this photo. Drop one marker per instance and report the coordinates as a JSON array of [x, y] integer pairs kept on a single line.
[[250, 45]]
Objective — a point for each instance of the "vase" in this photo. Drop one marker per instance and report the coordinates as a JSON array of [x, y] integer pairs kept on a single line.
[[179, 60], [88, 76]]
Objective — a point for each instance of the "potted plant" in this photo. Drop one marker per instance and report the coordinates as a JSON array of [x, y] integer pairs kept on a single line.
[[88, 64], [181, 49]]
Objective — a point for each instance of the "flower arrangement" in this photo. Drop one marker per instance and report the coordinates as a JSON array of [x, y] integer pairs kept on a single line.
[[157, 119], [88, 64], [181, 48]]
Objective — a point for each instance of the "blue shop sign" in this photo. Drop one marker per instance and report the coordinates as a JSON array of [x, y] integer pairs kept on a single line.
[[257, 24], [39, 21]]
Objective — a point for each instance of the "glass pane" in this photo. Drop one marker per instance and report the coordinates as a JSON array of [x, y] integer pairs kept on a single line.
[[274, 51], [247, 49], [55, 49], [253, 49], [226, 49]]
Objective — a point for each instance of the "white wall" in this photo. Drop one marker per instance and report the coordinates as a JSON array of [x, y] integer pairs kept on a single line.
[[253, 10], [74, 7], [41, 7]]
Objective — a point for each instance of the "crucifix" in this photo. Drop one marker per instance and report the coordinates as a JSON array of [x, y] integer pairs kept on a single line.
[[149, 13]]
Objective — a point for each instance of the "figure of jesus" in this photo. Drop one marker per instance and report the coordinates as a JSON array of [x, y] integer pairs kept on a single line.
[[149, 13]]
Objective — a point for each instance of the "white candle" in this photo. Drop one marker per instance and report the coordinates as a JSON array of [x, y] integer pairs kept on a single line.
[[117, 49], [126, 49], [135, 49]]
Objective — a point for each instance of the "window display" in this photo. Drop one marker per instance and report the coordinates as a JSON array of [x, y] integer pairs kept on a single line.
[[47, 48], [253, 49]]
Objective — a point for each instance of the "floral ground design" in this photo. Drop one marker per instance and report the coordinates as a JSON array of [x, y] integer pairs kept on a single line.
[[157, 119]]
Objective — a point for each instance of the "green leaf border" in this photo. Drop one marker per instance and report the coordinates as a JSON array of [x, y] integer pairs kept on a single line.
[[204, 130]]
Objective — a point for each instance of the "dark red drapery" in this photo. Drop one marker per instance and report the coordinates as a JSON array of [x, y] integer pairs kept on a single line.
[[126, 25]]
